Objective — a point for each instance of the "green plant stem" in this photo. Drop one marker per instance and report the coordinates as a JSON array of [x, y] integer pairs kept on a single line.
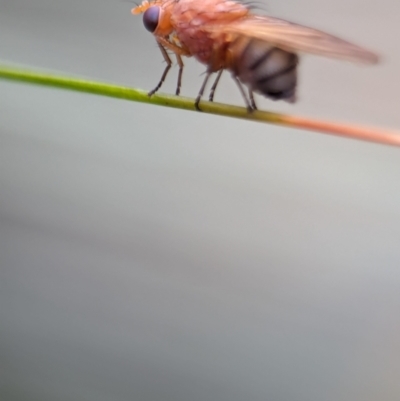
[[120, 92]]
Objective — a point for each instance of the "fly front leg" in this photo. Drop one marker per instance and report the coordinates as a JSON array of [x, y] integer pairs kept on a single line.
[[215, 84], [167, 68], [165, 44]]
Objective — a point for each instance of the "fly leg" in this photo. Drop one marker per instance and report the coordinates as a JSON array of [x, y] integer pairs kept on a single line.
[[246, 100], [179, 51], [167, 68], [215, 84], [252, 101], [203, 86], [181, 65], [164, 44]]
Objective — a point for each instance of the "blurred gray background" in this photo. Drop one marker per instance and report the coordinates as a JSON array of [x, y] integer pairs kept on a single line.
[[156, 254]]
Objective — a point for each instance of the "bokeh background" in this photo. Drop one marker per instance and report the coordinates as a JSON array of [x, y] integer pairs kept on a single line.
[[156, 254]]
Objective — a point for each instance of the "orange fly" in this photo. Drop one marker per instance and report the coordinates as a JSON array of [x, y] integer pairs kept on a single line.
[[260, 52]]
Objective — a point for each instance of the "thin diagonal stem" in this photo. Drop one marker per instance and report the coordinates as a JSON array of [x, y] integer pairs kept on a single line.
[[377, 135]]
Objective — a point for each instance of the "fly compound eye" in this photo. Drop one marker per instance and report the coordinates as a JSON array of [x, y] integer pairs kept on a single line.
[[151, 17]]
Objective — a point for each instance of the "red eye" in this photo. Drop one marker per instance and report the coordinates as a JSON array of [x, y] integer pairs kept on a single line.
[[151, 17]]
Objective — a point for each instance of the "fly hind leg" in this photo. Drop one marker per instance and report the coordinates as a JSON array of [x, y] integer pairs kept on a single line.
[[249, 103], [252, 101]]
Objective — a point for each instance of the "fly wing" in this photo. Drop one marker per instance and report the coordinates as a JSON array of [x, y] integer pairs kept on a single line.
[[295, 38]]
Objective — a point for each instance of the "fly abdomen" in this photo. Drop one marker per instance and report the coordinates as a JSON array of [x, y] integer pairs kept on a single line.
[[264, 68]]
